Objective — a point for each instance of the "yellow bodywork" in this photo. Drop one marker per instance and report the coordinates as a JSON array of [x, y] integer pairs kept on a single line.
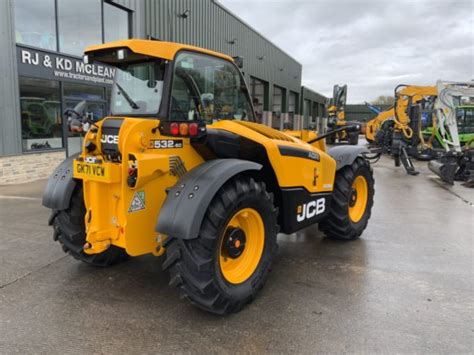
[[108, 197], [340, 117], [374, 124], [157, 49], [306, 136], [408, 95]]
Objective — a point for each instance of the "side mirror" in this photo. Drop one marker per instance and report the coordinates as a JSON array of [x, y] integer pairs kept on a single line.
[[80, 107], [239, 61]]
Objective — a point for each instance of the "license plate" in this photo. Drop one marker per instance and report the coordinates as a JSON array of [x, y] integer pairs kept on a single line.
[[100, 172]]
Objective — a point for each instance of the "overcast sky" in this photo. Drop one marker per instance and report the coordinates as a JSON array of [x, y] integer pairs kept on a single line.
[[371, 45]]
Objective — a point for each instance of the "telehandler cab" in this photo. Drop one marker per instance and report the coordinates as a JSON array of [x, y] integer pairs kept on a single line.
[[181, 169]]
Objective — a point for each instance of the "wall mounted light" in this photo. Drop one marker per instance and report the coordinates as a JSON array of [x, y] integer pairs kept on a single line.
[[232, 41], [281, 69], [261, 57], [184, 14]]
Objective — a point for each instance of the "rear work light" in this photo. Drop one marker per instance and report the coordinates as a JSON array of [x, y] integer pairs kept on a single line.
[[174, 129], [193, 129], [184, 129]]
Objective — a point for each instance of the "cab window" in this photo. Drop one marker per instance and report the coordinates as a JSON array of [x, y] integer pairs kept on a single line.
[[208, 88], [465, 119]]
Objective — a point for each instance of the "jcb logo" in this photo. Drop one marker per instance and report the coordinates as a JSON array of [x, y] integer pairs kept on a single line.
[[108, 138], [311, 209]]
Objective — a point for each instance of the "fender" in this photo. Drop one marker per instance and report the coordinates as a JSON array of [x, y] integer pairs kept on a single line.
[[345, 155], [60, 186], [183, 210]]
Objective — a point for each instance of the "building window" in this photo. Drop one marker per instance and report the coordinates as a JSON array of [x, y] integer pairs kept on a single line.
[[41, 119], [35, 23], [257, 92], [79, 22], [116, 23], [292, 107], [80, 25], [306, 113], [277, 107], [95, 110]]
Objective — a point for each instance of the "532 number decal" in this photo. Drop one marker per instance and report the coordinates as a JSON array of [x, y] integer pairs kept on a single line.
[[166, 143]]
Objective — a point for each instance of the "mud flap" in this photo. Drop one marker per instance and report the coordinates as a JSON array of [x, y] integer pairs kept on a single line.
[[346, 154], [60, 186]]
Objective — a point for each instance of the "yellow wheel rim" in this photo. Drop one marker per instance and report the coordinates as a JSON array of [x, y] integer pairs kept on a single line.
[[249, 248], [358, 198]]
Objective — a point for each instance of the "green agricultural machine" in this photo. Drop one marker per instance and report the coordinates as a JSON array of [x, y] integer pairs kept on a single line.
[[465, 123]]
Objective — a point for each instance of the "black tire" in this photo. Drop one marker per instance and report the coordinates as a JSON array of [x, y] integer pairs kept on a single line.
[[194, 264], [69, 231], [338, 224], [354, 138]]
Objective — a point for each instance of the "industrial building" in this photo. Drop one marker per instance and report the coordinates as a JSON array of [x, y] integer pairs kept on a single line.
[[43, 73], [361, 112]]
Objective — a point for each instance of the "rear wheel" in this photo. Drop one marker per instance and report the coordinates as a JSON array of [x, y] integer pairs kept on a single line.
[[223, 268], [351, 202], [69, 230]]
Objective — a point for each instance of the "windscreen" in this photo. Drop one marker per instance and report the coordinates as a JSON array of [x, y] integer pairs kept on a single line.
[[138, 89], [209, 89]]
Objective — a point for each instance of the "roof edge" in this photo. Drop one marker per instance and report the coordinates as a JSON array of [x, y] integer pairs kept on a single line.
[[218, 3]]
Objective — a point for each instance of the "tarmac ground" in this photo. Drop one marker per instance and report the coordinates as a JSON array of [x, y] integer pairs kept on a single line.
[[406, 286]]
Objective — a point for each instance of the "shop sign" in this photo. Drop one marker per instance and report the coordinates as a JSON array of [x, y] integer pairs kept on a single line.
[[53, 66]]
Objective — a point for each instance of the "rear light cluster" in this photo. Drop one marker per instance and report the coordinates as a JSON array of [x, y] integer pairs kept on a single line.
[[184, 129]]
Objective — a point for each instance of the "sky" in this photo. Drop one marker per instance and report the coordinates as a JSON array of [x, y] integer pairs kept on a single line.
[[370, 45]]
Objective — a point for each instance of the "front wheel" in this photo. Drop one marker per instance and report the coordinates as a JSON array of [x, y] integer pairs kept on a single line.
[[351, 202], [222, 269]]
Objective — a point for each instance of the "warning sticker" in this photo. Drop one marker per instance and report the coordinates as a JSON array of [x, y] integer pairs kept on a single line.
[[138, 202]]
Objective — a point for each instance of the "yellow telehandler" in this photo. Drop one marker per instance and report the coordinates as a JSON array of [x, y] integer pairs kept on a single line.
[[181, 169], [337, 119]]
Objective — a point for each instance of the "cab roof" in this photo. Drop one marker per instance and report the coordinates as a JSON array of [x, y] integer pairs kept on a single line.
[[158, 49]]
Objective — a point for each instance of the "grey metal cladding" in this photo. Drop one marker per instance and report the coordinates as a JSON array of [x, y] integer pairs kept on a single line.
[[309, 94], [212, 26], [10, 131], [128, 4], [183, 210]]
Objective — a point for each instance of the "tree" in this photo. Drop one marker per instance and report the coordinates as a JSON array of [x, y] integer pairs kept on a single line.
[[383, 100]]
